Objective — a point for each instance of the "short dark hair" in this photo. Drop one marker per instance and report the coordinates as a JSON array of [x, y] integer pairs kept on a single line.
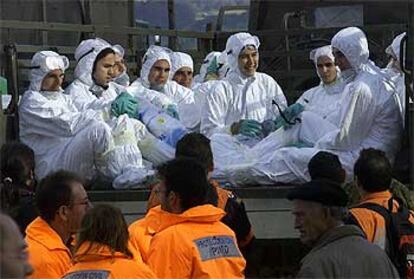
[[196, 146], [54, 191], [325, 165], [101, 55], [188, 178], [104, 224], [373, 170]]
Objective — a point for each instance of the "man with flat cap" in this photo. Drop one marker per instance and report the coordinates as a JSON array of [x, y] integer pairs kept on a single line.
[[338, 250]]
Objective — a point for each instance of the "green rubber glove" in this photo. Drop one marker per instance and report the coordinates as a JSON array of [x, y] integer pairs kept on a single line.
[[247, 127], [124, 104], [172, 111]]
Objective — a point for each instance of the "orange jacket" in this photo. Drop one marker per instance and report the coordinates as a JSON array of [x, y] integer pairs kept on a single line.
[[142, 231], [99, 260], [48, 255], [372, 223], [195, 244], [237, 218]]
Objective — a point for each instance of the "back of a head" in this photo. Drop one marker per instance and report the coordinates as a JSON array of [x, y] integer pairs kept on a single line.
[[54, 191], [373, 170], [16, 162], [105, 224], [187, 178], [196, 146], [325, 165]]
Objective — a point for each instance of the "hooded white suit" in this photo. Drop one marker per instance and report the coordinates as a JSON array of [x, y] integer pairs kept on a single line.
[[86, 94], [369, 117], [63, 137], [176, 94], [237, 97]]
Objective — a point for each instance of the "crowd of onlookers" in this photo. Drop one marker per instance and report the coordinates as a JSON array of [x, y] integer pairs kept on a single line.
[[231, 123], [193, 227]]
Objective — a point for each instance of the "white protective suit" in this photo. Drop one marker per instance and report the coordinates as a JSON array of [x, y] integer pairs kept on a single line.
[[64, 138], [179, 60], [123, 78], [237, 97], [88, 95], [178, 95], [369, 117], [221, 58], [393, 72]]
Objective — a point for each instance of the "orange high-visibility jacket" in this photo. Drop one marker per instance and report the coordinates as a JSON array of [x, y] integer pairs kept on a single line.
[[237, 218], [195, 244], [48, 255], [92, 261], [372, 223], [142, 231]]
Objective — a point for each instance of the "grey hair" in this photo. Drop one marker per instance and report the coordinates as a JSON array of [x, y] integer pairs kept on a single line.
[[339, 213]]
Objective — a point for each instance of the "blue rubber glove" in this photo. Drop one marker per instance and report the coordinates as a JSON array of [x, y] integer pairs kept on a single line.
[[124, 104], [268, 126], [247, 127], [172, 111], [293, 111]]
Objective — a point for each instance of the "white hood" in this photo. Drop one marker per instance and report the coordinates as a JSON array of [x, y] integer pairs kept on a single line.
[[85, 55], [44, 62], [235, 43], [179, 60], [153, 54]]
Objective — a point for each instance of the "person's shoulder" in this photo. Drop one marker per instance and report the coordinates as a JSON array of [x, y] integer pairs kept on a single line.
[[75, 87]]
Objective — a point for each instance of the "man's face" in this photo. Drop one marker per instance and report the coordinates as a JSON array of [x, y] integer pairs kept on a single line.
[[52, 81], [159, 72], [169, 200], [326, 69], [119, 66], [104, 70], [13, 255], [340, 60], [310, 220], [78, 207], [184, 76], [248, 61]]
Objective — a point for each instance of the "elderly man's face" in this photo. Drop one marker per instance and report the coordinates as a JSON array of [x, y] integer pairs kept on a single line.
[[248, 61], [184, 76], [340, 60], [159, 72], [326, 69], [13, 255], [310, 221], [52, 81]]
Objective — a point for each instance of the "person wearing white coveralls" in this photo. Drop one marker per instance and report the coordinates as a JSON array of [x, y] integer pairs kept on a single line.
[[154, 75], [317, 106], [182, 69], [240, 102], [93, 89], [369, 117], [393, 70], [63, 137]]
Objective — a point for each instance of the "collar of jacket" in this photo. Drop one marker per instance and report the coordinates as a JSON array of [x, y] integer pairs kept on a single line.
[[92, 251], [40, 231], [237, 78], [199, 214], [336, 234], [384, 195]]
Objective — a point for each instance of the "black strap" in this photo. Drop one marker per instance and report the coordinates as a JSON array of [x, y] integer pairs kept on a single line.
[[386, 214]]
